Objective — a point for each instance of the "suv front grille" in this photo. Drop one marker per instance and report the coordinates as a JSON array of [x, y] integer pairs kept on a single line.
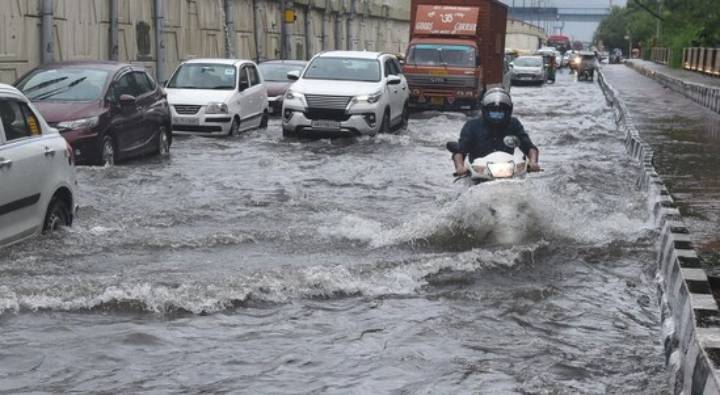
[[325, 114], [186, 110], [327, 102]]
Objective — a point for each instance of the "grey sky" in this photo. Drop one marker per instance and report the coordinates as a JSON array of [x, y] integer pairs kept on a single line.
[[579, 31]]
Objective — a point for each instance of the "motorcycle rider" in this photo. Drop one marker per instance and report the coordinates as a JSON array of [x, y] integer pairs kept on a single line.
[[484, 135]]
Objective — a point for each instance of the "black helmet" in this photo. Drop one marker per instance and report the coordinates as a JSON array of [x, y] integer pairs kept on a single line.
[[497, 106]]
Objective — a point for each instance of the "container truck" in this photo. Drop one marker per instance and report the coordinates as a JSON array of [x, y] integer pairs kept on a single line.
[[456, 52]]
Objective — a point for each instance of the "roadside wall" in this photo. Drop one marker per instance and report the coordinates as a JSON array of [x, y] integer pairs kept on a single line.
[[196, 28], [524, 36], [690, 314], [705, 95]]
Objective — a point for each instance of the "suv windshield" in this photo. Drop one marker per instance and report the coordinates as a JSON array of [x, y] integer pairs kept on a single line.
[[528, 62], [442, 55], [278, 72], [64, 84], [204, 76], [343, 69]]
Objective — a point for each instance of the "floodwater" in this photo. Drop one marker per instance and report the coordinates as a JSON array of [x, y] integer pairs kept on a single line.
[[262, 265]]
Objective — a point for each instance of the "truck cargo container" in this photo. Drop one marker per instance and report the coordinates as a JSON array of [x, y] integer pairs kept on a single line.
[[456, 52]]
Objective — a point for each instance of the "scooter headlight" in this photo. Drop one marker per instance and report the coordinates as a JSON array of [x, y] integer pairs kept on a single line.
[[502, 170]]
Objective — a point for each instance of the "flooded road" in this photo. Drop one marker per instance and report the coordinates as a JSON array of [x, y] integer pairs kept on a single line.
[[262, 265]]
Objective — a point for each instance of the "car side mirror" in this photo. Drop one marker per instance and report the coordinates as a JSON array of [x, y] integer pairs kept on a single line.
[[127, 101], [394, 80], [293, 75], [243, 86], [512, 65]]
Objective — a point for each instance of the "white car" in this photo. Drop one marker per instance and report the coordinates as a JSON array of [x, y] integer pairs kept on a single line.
[[37, 173], [217, 97], [346, 92], [528, 69]]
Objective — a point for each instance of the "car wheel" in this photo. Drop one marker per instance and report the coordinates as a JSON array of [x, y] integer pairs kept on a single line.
[[108, 156], [235, 127], [57, 215], [163, 142], [405, 117], [264, 121], [289, 133], [385, 125]]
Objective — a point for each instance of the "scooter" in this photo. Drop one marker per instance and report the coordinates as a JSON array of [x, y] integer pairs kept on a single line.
[[497, 166]]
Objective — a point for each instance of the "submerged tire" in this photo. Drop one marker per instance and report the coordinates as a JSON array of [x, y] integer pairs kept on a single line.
[[57, 215]]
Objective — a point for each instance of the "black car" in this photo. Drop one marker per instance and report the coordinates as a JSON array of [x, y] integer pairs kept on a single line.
[[107, 111]]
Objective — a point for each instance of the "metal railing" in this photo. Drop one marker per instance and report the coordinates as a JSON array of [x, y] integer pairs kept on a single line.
[[702, 60], [661, 55]]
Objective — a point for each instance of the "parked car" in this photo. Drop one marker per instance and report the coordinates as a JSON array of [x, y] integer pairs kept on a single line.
[[217, 97], [37, 173], [274, 73], [107, 111], [346, 92], [528, 69]]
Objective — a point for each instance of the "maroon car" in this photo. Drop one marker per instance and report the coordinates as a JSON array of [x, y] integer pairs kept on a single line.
[[274, 74], [107, 111]]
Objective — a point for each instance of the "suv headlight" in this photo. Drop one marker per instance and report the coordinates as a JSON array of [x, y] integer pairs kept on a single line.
[[292, 95], [371, 98], [216, 108], [85, 123]]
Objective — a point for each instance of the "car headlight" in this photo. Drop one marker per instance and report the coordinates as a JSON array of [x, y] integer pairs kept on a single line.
[[85, 123], [292, 95], [216, 108], [371, 98], [502, 170]]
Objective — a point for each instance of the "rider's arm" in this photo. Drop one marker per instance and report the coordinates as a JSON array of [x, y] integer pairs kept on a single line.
[[464, 145], [527, 146]]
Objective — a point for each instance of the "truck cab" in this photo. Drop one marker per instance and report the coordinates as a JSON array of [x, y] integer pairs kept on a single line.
[[456, 52]]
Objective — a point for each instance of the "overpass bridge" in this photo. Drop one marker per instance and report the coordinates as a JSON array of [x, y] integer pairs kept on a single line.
[[565, 14]]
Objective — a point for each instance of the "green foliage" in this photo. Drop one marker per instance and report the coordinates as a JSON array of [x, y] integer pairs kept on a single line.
[[686, 23]]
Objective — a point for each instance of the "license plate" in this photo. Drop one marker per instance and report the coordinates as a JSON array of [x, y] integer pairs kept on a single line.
[[186, 121], [439, 72], [326, 125], [437, 101]]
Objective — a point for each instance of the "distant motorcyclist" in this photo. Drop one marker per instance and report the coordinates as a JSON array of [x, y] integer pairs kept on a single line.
[[484, 135]]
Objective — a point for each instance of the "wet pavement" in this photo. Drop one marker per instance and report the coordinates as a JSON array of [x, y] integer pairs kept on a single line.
[[686, 139], [685, 75], [262, 265]]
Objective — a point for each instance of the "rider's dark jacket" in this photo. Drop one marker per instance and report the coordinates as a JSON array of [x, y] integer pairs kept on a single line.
[[478, 138]]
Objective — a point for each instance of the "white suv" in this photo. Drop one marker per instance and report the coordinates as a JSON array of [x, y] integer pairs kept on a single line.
[[37, 173], [346, 92], [217, 97]]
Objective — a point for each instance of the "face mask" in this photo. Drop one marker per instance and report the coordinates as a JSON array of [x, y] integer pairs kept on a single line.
[[496, 115]]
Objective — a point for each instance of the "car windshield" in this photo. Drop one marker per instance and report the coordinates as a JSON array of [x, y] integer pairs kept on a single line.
[[65, 84], [343, 69], [204, 76], [442, 55], [528, 62], [278, 71]]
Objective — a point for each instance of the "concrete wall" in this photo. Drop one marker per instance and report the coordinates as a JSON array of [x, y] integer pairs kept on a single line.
[[196, 28], [524, 36]]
